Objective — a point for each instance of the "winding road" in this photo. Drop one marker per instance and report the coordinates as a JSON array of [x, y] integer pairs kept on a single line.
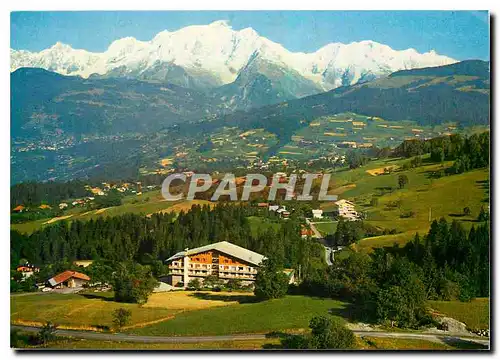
[[89, 335], [319, 237]]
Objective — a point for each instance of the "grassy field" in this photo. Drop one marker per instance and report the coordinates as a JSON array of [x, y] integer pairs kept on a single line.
[[261, 225], [364, 130], [441, 197], [191, 300], [475, 314], [291, 312], [444, 197], [78, 311], [94, 310], [368, 244], [147, 204], [326, 228], [173, 313]]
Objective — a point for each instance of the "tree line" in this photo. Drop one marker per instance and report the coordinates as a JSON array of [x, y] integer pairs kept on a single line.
[[467, 152], [392, 284], [140, 239], [35, 193]]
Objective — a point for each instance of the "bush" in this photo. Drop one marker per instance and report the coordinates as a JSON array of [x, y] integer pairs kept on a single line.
[[271, 282], [407, 214], [133, 283], [295, 342], [47, 333], [483, 215], [330, 335], [325, 334], [194, 284], [121, 317], [402, 181], [233, 284], [211, 281]]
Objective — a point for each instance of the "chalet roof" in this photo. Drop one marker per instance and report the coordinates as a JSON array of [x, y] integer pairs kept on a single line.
[[66, 275], [18, 208], [226, 248], [27, 268]]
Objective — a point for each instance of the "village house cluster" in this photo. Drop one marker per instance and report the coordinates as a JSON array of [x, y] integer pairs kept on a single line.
[[103, 190]]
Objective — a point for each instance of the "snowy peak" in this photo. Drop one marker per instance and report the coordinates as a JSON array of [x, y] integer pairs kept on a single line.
[[217, 54], [220, 23]]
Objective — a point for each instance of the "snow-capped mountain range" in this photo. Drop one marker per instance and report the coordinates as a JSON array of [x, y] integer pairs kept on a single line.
[[218, 52]]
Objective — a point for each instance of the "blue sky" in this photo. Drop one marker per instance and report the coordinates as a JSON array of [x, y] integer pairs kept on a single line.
[[459, 34]]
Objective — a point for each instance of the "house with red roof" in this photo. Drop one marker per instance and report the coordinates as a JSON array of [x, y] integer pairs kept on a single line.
[[27, 270], [19, 209], [68, 278]]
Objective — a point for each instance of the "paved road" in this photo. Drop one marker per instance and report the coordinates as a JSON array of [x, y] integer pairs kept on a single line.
[[199, 339], [319, 237], [317, 234], [441, 338]]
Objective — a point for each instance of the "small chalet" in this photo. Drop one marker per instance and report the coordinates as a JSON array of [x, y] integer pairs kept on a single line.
[[63, 206], [18, 209], [68, 278], [27, 270]]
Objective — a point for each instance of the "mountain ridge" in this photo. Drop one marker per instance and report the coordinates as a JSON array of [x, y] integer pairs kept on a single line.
[[218, 53], [64, 127]]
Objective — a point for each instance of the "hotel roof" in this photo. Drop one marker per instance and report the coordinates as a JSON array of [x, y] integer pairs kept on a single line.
[[226, 248]]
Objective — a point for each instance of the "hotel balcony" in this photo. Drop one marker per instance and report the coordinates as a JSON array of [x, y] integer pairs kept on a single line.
[[236, 276]]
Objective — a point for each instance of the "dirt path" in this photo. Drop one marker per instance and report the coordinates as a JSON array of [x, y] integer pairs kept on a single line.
[[53, 220]]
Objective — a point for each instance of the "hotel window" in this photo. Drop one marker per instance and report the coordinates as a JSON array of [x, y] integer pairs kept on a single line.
[[240, 268]]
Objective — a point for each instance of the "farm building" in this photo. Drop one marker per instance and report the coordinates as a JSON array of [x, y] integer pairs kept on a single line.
[[68, 278], [223, 260]]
